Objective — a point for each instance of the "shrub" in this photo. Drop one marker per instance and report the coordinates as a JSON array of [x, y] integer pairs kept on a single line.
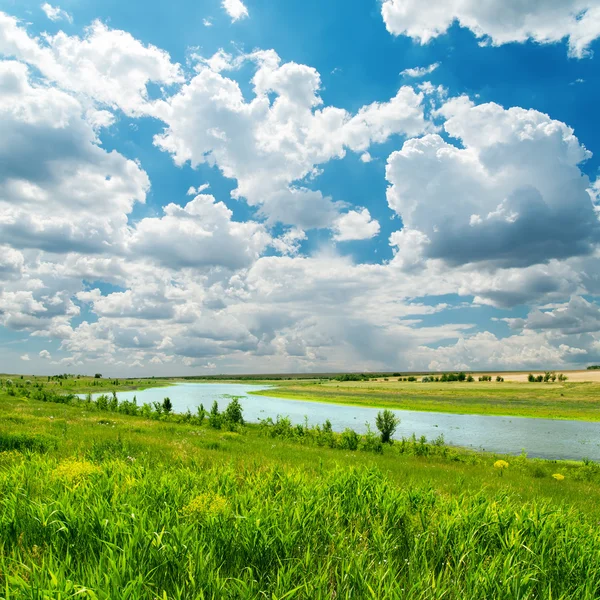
[[214, 417], [349, 440], [233, 413], [167, 405], [386, 422]]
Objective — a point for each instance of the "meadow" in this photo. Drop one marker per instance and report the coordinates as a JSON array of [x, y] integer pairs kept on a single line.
[[577, 400], [101, 504]]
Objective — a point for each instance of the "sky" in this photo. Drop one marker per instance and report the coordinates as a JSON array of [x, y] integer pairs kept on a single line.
[[250, 186]]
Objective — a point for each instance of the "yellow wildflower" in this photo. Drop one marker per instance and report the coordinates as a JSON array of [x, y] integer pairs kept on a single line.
[[75, 471], [558, 476], [204, 505], [501, 465]]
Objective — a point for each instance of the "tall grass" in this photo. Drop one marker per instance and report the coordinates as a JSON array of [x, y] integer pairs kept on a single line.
[[128, 529]]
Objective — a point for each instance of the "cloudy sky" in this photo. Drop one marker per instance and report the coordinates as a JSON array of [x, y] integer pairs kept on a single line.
[[228, 186]]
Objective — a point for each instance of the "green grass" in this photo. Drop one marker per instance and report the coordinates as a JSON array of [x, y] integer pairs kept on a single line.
[[578, 401], [102, 505]]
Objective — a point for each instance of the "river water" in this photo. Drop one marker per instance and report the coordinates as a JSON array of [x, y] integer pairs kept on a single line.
[[544, 438]]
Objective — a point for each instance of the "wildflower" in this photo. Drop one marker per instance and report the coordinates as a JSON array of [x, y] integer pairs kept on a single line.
[[501, 465], [74, 471], [205, 505], [558, 476]]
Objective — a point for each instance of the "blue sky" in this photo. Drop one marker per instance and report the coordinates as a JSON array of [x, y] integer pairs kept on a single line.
[[349, 216]]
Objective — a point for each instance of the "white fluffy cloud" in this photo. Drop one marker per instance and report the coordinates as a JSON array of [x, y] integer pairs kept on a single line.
[[499, 21], [108, 65], [55, 13], [271, 146], [200, 234], [54, 175], [512, 195], [355, 225], [236, 9]]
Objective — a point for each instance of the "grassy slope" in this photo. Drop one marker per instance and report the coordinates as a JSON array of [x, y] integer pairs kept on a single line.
[[580, 401], [103, 514]]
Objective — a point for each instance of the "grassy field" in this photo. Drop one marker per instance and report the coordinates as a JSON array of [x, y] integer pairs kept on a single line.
[[103, 505], [570, 400]]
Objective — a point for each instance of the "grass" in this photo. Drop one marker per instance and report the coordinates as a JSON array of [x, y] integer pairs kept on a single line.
[[570, 400], [576, 401], [103, 505]]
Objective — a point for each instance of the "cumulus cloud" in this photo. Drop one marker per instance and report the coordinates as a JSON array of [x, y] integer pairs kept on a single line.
[[236, 9], [55, 13], [200, 234], [355, 225], [107, 65], [499, 22], [575, 317], [44, 354], [420, 71], [273, 142], [512, 195], [53, 173], [25, 357]]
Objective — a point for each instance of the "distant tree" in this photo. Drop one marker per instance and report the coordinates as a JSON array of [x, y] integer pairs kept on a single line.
[[470, 378], [539, 378], [499, 379], [531, 378], [167, 405], [386, 422], [98, 376]]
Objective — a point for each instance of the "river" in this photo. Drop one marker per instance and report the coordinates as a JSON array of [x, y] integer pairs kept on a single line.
[[544, 438]]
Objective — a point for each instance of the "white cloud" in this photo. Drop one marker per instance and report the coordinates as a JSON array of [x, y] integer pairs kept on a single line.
[[236, 9], [271, 146], [199, 234], [54, 175], [366, 157], [25, 357], [107, 65], [355, 225], [193, 191], [420, 71], [289, 242], [44, 354], [207, 22], [499, 21], [55, 13], [512, 195]]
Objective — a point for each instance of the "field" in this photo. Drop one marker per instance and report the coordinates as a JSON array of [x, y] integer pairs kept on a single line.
[[103, 505], [570, 400]]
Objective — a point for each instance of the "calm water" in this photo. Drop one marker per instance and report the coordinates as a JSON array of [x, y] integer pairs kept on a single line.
[[538, 437]]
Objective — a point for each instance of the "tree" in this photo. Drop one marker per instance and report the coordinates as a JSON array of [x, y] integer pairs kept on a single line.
[[386, 422], [233, 412], [167, 405], [214, 417], [531, 378], [98, 376]]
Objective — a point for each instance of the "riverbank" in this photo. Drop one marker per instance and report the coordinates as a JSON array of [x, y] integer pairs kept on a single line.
[[106, 505], [578, 401], [571, 400]]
